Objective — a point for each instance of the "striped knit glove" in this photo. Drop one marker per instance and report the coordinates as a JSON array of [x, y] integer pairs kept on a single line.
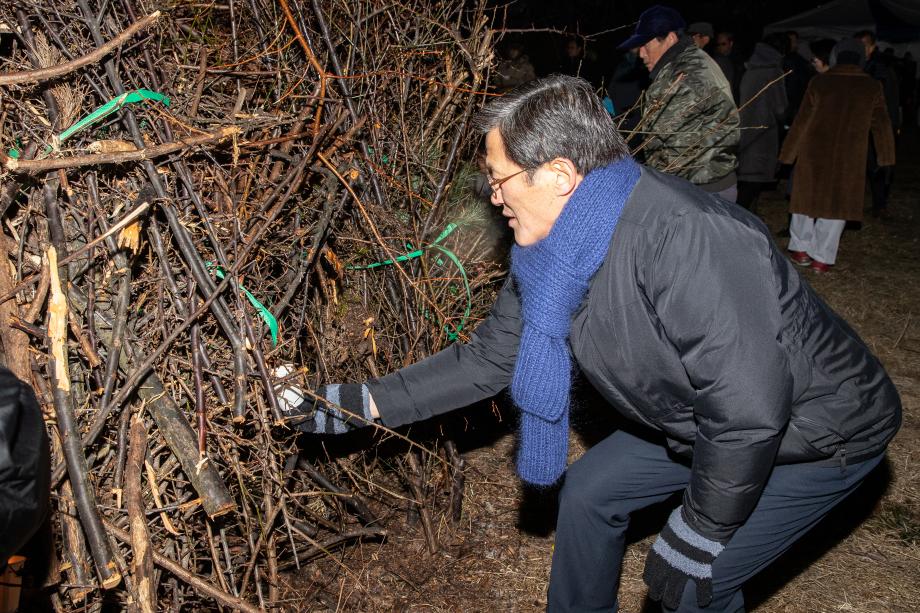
[[678, 555], [307, 414], [321, 417]]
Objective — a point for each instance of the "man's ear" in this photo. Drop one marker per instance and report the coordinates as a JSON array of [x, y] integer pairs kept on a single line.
[[565, 177]]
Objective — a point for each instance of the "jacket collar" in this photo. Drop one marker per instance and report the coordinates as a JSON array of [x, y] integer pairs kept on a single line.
[[682, 43], [849, 69]]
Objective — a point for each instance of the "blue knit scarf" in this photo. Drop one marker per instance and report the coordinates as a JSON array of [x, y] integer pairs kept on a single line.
[[552, 277]]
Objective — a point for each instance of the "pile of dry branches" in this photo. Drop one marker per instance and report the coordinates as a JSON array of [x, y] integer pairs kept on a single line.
[[191, 195]]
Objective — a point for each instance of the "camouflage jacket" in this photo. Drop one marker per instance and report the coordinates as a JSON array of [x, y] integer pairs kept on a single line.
[[691, 122]]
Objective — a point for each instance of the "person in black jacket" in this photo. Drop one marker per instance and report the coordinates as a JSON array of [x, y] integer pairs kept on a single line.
[[749, 396], [24, 465], [763, 105], [880, 177]]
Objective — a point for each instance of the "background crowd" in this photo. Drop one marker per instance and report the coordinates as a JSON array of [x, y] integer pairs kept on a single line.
[[780, 116]]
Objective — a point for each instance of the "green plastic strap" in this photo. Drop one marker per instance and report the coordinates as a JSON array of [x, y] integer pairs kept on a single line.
[[412, 254], [264, 313], [138, 95], [447, 231], [14, 151], [401, 258], [451, 335]]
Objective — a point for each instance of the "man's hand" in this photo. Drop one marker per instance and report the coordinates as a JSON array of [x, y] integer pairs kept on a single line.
[[678, 555], [339, 408]]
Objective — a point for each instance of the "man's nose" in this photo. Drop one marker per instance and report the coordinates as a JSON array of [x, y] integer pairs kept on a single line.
[[496, 197]]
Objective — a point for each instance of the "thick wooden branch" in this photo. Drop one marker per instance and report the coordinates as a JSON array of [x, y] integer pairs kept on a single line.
[[148, 153], [144, 580], [183, 442], [84, 496], [15, 342], [43, 74]]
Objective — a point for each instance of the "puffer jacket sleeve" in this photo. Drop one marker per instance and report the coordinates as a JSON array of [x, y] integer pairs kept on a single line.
[[712, 288], [459, 375]]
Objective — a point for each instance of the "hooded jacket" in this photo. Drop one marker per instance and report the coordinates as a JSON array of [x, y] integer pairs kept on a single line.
[[698, 326], [691, 119], [762, 114]]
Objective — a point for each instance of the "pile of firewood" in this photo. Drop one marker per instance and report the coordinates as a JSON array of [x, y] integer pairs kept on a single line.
[[192, 195]]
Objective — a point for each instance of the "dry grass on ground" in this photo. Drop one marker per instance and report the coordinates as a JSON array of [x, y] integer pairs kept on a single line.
[[865, 557]]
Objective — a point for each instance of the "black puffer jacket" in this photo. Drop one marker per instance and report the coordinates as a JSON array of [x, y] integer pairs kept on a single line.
[[24, 471], [698, 326]]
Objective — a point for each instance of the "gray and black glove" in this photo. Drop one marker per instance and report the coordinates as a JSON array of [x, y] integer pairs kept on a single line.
[[326, 417], [678, 555]]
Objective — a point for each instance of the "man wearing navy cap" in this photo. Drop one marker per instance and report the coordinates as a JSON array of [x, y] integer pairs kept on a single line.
[[691, 121]]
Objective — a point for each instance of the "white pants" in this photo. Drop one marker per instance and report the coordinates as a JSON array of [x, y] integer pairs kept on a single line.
[[819, 238]]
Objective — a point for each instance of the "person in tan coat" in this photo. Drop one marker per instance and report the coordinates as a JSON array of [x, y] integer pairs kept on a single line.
[[828, 142]]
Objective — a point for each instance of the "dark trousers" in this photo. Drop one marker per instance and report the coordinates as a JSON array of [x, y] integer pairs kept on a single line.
[[749, 194], [879, 179], [624, 473]]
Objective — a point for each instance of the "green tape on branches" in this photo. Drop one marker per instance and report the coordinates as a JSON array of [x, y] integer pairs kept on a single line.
[[264, 313], [14, 151], [452, 335], [408, 256], [401, 258], [113, 105]]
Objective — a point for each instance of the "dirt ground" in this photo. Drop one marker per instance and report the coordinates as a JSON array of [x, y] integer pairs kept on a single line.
[[864, 557]]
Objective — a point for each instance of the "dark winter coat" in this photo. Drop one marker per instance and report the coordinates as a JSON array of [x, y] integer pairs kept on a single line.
[[732, 69], [625, 88], [696, 325], [878, 68], [691, 119], [761, 116], [24, 465], [800, 73], [829, 139]]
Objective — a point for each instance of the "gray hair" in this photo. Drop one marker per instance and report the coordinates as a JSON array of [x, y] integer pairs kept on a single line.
[[557, 116]]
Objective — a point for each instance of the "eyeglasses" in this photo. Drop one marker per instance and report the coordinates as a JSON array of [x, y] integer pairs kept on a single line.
[[496, 184]]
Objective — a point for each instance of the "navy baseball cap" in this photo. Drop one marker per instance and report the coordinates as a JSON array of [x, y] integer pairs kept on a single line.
[[654, 21]]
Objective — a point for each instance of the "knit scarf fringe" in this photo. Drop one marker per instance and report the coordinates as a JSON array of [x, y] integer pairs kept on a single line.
[[552, 277]]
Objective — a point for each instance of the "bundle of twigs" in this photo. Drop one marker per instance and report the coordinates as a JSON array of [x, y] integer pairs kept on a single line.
[[193, 194]]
